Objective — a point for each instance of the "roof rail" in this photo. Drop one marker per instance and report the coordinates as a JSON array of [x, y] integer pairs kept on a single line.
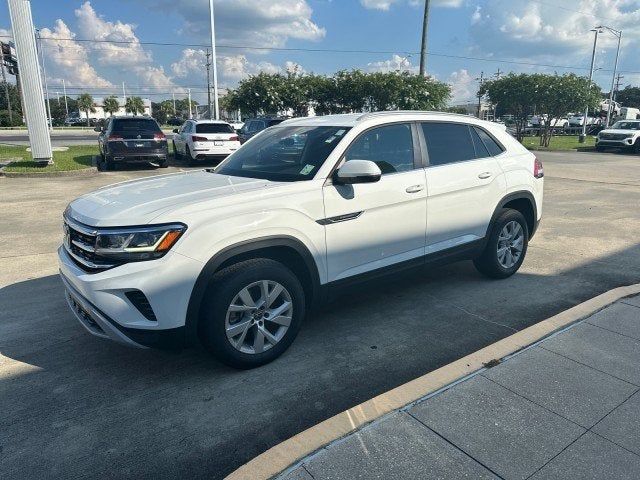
[[367, 115]]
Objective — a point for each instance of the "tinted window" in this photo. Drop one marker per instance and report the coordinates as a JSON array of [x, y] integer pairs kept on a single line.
[[253, 126], [390, 147], [481, 149], [490, 143], [448, 142], [286, 153], [214, 128], [275, 121], [135, 125], [626, 126]]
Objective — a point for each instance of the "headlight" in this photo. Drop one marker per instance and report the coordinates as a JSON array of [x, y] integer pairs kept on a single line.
[[139, 243]]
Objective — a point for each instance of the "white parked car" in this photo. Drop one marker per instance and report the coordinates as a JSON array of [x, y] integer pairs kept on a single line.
[[623, 134], [577, 120], [235, 256], [555, 123], [199, 140]]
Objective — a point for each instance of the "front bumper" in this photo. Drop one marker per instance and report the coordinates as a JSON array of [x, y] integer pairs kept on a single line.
[[624, 143], [99, 300]]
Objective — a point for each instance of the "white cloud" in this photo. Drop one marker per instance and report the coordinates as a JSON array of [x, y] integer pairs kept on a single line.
[[248, 22], [557, 31], [395, 63], [387, 4], [69, 59], [463, 86], [96, 28], [192, 60], [477, 15]]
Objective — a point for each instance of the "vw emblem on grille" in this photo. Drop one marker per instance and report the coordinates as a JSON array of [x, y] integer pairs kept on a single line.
[[139, 136], [67, 236]]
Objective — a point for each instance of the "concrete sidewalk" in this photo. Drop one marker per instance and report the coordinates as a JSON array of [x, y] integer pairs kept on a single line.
[[567, 408]]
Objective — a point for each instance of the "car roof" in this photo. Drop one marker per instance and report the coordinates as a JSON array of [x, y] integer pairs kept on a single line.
[[209, 121], [353, 119]]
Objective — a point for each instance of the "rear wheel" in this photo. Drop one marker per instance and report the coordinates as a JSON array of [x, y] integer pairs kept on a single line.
[[252, 313], [163, 163], [187, 153], [636, 146], [106, 164], [506, 247]]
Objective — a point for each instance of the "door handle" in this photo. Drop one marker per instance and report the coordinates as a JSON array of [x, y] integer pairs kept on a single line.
[[414, 188], [484, 175]]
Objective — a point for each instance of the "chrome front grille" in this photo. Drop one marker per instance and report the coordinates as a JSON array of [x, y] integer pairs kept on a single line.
[[613, 136], [80, 242]]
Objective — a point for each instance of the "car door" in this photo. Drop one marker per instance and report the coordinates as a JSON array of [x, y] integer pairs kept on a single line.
[[464, 180], [374, 225], [185, 135], [178, 138]]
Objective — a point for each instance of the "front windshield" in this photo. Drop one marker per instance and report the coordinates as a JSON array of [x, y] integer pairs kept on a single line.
[[284, 153], [626, 125]]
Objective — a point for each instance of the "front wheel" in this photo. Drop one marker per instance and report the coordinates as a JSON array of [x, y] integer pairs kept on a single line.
[[252, 313], [506, 246]]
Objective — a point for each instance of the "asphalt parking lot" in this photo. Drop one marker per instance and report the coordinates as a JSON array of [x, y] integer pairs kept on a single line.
[[72, 405]]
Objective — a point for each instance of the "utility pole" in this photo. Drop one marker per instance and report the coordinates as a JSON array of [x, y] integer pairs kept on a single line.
[[6, 85], [215, 69], [124, 95], [583, 136], [173, 95], [189, 97], [481, 80], [64, 92], [423, 48], [498, 74], [617, 33], [44, 74], [619, 78], [208, 54]]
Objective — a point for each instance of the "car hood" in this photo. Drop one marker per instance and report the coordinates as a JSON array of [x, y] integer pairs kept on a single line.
[[626, 132], [138, 202]]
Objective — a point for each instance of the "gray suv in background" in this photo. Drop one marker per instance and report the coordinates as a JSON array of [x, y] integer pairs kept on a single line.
[[254, 126], [131, 140]]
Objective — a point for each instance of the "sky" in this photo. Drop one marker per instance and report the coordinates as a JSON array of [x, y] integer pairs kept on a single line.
[[164, 53]]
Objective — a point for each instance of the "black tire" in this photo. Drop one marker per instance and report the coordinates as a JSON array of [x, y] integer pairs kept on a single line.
[[164, 163], [636, 146], [189, 159], [106, 165], [224, 287], [600, 149], [487, 263]]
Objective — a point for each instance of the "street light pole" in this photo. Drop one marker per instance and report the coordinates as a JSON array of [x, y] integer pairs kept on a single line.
[[423, 49], [583, 135], [213, 60], [64, 92], [617, 33]]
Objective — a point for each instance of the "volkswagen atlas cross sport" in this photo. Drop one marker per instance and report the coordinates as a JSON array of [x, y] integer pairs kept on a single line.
[[235, 256]]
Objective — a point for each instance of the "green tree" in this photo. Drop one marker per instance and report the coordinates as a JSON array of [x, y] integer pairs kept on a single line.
[[16, 106], [134, 105], [111, 105], [86, 105], [628, 97]]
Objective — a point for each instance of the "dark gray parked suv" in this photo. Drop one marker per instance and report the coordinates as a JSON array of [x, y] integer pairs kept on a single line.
[[253, 126], [131, 140]]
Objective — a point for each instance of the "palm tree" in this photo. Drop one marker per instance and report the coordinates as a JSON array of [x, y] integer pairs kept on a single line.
[[111, 105], [134, 105], [85, 104]]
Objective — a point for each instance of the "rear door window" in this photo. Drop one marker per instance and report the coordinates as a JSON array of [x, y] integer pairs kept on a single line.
[[448, 142], [275, 121], [490, 143], [135, 125], [214, 128], [481, 149]]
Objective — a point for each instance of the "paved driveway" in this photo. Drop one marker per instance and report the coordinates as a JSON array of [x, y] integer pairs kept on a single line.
[[74, 406]]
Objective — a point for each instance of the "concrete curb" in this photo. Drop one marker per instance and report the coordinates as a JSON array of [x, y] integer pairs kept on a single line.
[[81, 172], [281, 456]]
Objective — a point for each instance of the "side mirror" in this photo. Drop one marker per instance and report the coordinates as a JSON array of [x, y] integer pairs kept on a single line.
[[97, 129], [175, 130], [358, 171]]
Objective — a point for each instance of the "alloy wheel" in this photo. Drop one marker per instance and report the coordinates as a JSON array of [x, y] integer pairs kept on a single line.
[[259, 316], [510, 244]]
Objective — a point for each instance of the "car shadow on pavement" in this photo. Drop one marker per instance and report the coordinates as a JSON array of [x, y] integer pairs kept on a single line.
[[73, 402]]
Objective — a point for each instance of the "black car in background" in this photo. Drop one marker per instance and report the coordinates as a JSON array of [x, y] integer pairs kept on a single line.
[[131, 140], [253, 126]]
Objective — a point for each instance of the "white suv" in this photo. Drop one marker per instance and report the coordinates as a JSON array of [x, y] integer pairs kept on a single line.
[[623, 134], [235, 256], [199, 140]]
